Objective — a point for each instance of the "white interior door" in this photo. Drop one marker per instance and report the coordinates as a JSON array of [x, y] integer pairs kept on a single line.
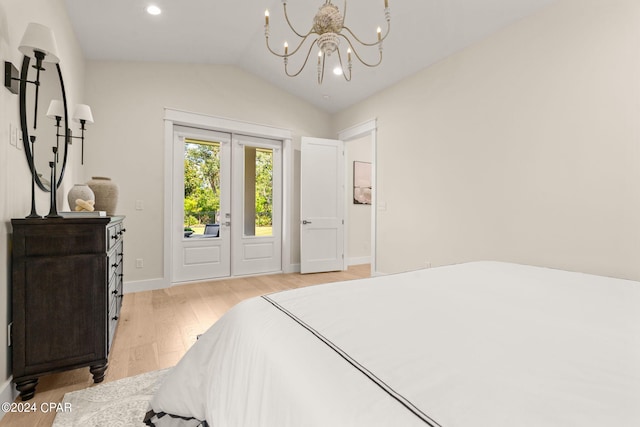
[[206, 252], [322, 209], [257, 206]]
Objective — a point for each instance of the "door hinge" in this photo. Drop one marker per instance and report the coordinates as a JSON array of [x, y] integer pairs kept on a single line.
[[343, 222]]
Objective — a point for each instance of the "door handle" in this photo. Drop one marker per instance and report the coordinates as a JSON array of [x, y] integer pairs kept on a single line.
[[305, 222]]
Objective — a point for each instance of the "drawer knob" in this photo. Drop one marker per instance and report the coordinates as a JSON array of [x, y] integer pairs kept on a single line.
[[115, 292], [114, 318]]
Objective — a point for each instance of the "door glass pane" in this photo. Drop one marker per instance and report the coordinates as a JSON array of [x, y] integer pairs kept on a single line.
[[258, 191], [201, 188]]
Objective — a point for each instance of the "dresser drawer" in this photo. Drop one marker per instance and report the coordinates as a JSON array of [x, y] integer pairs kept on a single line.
[[112, 319], [114, 234]]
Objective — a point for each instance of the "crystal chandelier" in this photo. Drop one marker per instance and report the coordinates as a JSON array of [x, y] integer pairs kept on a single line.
[[327, 32]]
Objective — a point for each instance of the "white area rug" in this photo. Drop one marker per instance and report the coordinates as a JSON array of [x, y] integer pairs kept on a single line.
[[118, 403]]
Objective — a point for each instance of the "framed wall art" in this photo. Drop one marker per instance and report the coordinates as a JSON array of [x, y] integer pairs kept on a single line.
[[361, 183]]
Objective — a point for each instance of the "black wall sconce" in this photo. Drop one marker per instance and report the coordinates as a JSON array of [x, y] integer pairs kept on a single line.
[[56, 111], [38, 42], [82, 114]]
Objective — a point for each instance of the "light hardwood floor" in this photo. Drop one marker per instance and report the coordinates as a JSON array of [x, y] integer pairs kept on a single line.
[[157, 327]]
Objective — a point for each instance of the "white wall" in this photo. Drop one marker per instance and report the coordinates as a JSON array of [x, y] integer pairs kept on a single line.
[[359, 216], [126, 141], [524, 147], [15, 184]]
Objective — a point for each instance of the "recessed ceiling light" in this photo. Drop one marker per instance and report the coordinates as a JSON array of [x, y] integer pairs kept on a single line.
[[337, 71], [153, 10]]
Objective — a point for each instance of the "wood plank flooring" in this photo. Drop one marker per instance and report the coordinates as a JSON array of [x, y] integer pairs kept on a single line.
[[157, 327]]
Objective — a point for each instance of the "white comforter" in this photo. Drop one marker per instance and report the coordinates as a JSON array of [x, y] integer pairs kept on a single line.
[[478, 344]]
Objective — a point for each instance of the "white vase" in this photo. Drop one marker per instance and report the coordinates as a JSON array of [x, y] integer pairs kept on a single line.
[[106, 192], [79, 191]]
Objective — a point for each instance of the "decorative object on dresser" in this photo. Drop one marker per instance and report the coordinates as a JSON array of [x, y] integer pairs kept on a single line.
[[81, 198], [106, 192], [67, 293]]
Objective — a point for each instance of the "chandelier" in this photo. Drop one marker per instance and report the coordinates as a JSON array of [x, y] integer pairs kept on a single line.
[[327, 32]]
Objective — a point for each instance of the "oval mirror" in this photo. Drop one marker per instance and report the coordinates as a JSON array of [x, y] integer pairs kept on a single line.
[[40, 133]]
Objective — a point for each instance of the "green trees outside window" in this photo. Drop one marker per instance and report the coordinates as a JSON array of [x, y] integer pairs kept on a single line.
[[202, 186]]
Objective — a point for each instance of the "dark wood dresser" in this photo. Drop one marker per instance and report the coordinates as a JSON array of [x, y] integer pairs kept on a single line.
[[66, 295]]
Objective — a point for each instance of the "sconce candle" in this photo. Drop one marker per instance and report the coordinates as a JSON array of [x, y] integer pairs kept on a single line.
[[33, 213], [53, 208]]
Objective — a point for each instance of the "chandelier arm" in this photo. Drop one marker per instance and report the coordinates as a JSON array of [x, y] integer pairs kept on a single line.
[[293, 52], [369, 44], [286, 16], [342, 67], [321, 70], [355, 52], [303, 65]]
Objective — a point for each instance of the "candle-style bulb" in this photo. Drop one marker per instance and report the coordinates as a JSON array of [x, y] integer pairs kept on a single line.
[[286, 48], [266, 17], [379, 33]]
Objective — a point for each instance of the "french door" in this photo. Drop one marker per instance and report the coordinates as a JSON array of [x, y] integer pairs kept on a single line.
[[257, 183], [201, 200], [227, 205]]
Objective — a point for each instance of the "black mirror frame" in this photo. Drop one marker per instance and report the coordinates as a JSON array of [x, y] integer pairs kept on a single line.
[[24, 72]]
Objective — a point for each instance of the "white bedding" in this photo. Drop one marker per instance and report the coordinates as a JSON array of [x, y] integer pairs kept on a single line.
[[477, 344]]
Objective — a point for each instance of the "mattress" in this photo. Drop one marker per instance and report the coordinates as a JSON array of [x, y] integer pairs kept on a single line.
[[476, 344]]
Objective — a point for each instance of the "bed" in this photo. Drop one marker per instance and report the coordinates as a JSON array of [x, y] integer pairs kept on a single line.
[[476, 344]]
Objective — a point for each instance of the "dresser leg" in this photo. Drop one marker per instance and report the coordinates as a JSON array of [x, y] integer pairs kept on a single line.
[[27, 388], [98, 372]]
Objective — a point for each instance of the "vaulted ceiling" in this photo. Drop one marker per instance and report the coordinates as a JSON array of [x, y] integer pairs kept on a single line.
[[232, 32]]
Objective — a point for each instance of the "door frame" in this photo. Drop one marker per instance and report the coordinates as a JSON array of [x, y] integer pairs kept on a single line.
[[368, 128], [174, 117]]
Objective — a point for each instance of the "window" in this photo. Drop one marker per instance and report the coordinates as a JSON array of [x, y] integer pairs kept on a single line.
[[201, 186], [258, 191]]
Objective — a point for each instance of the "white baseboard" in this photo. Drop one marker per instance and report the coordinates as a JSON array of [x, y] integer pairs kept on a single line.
[[145, 285], [359, 260], [295, 268], [292, 268], [155, 284], [8, 393]]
